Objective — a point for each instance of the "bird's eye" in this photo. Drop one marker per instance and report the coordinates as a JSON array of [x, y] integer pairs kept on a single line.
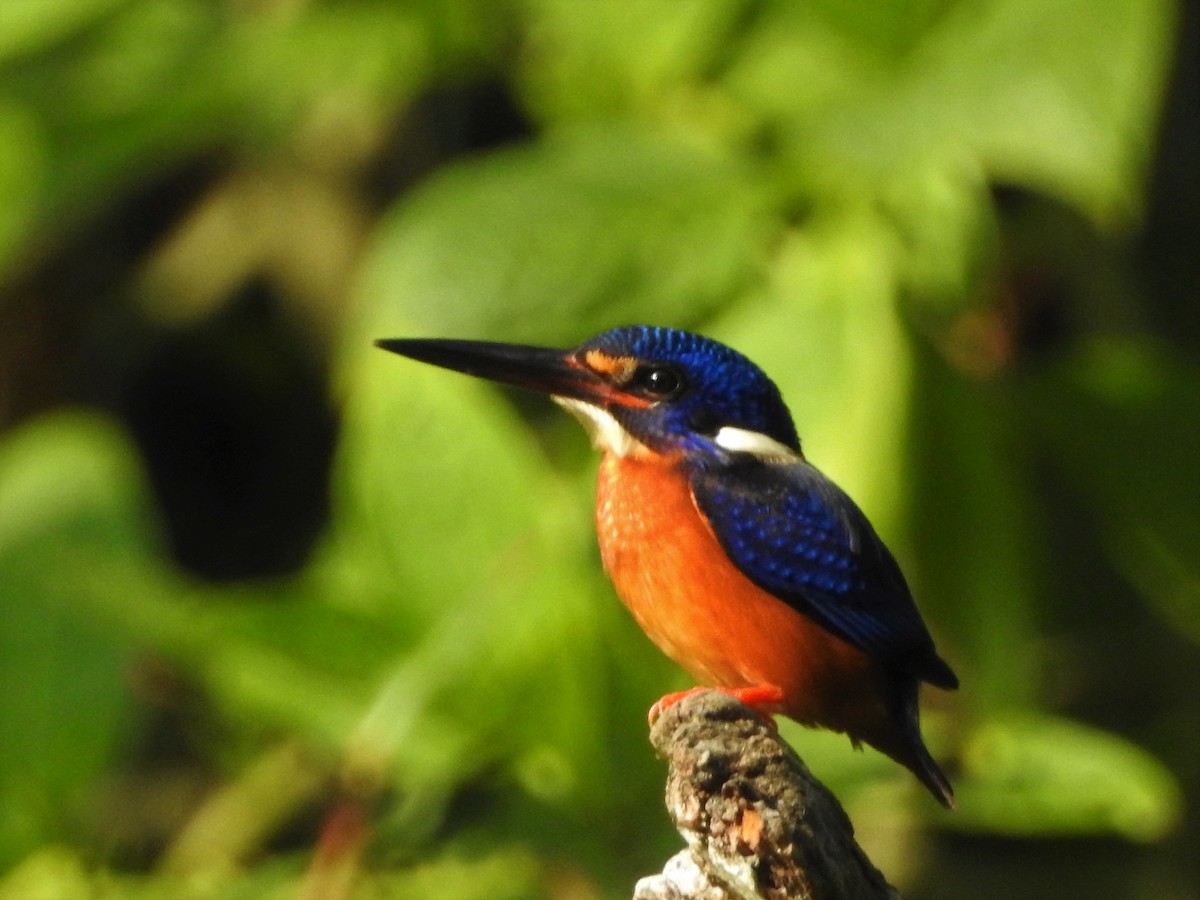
[[657, 382]]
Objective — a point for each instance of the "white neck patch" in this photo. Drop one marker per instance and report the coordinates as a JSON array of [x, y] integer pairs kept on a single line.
[[606, 432], [739, 440]]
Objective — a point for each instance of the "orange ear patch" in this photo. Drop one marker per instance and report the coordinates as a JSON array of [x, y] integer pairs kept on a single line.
[[619, 368]]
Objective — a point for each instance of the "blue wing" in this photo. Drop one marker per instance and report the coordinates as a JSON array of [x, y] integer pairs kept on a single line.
[[796, 534]]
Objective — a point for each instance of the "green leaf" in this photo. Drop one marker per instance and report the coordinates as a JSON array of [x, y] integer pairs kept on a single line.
[[564, 238], [980, 563], [31, 25], [439, 476], [475, 545], [51, 874], [1095, 413], [597, 60], [1045, 776], [71, 515], [21, 170], [1057, 97], [826, 329]]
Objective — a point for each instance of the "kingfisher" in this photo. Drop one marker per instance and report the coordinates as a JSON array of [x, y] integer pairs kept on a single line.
[[745, 564]]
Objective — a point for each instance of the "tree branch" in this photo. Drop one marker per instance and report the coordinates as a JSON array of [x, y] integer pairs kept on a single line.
[[757, 824]]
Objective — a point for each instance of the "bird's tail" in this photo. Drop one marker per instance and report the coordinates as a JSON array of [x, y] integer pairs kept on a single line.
[[905, 745], [931, 775]]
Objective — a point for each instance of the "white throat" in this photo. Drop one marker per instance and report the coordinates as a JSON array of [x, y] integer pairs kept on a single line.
[[606, 432]]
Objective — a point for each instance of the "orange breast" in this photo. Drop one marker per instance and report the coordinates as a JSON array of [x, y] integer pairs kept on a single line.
[[671, 572]]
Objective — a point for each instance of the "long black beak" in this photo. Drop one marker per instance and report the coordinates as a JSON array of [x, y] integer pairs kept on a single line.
[[541, 369]]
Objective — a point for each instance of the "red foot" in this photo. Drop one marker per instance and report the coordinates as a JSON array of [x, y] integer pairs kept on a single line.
[[759, 695], [762, 698]]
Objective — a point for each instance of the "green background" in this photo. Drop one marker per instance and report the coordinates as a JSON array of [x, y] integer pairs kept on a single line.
[[260, 581]]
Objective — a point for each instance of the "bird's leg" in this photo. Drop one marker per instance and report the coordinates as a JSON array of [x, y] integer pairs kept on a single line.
[[762, 698]]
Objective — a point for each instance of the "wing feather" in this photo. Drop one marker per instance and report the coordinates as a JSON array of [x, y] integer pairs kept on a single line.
[[794, 533]]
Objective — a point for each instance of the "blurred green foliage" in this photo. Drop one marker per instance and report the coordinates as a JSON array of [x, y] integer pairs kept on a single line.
[[920, 216]]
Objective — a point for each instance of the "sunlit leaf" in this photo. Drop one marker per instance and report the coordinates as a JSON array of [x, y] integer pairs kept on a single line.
[[69, 497], [30, 25], [428, 453], [826, 330], [503, 874], [990, 85], [1068, 120], [51, 874], [594, 60], [562, 239]]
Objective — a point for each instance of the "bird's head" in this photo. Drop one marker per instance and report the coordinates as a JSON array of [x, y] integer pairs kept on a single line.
[[639, 389]]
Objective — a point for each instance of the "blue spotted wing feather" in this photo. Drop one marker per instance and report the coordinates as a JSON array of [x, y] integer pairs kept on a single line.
[[794, 533]]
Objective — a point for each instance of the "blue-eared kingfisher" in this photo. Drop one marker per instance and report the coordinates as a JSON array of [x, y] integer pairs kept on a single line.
[[739, 559]]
